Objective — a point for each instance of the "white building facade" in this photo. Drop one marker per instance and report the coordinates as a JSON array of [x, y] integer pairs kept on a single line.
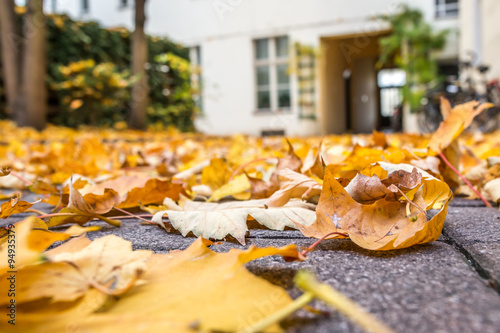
[[299, 67]]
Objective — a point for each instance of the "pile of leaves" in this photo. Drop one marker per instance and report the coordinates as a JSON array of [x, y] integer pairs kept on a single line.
[[376, 190]]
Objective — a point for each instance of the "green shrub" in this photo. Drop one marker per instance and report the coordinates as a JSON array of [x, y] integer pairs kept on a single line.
[[91, 94], [71, 42]]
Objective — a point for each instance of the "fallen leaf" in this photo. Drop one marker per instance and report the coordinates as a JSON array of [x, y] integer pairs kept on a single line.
[[384, 224], [153, 192], [14, 206], [290, 161], [261, 189], [458, 119], [82, 209], [4, 171], [107, 264], [216, 174], [238, 188], [313, 164], [22, 250], [199, 288], [493, 189], [216, 221], [293, 185]]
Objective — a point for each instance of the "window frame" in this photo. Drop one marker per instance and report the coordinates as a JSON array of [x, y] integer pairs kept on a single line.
[[124, 4], [195, 58], [272, 62], [85, 6], [442, 8]]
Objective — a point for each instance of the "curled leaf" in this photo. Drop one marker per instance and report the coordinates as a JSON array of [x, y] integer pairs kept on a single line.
[[384, 224]]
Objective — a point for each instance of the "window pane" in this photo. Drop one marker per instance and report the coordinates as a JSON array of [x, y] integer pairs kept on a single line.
[[282, 47], [262, 75], [451, 1], [283, 77], [262, 48], [452, 12], [263, 100], [284, 98]]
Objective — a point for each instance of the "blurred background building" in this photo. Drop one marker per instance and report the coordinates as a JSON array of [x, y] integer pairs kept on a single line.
[[298, 67]]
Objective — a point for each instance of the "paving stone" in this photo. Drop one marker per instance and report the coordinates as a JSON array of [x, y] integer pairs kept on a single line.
[[467, 225], [427, 288], [476, 233], [488, 257], [463, 202]]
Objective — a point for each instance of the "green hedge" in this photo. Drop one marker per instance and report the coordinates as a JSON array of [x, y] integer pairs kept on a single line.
[[70, 41]]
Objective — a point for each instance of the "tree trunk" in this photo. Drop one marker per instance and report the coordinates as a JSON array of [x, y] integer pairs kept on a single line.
[[11, 51], [34, 91], [140, 90]]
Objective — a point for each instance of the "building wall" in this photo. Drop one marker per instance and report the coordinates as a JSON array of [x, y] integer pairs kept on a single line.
[[480, 31], [225, 30]]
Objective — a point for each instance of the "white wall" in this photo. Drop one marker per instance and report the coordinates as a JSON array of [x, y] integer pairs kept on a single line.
[[481, 32]]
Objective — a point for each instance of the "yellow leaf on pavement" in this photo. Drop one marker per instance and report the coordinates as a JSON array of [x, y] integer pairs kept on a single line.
[[239, 188], [386, 223], [184, 290], [457, 120], [107, 264]]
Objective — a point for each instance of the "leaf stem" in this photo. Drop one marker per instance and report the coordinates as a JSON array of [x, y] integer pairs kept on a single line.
[[445, 160], [130, 214], [281, 314], [414, 204], [19, 176], [310, 248], [110, 221], [243, 166], [307, 282], [57, 214]]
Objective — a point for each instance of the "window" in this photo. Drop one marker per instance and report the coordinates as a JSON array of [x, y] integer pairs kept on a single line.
[[85, 6], [446, 8], [196, 79], [271, 73], [390, 82]]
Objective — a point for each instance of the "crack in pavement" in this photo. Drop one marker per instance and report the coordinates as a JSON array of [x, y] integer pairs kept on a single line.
[[480, 270]]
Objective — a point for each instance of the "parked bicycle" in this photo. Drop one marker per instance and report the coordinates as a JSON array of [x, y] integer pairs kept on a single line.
[[473, 85]]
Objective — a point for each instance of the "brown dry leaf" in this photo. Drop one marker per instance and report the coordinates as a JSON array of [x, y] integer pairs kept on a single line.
[[4, 171], [14, 206], [122, 184], [261, 189], [313, 163], [367, 190], [41, 187], [82, 209], [384, 224], [293, 185], [290, 161], [216, 221], [458, 119], [153, 192]]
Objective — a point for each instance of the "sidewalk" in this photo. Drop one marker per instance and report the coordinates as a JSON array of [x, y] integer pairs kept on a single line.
[[451, 285]]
